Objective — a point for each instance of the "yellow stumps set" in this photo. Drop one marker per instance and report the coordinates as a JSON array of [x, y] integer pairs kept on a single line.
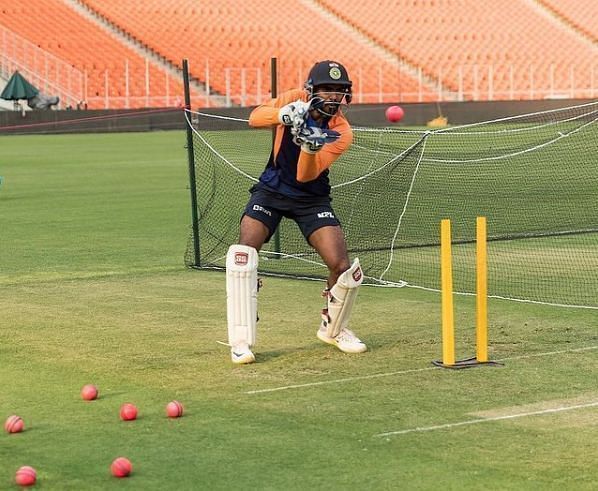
[[448, 321]]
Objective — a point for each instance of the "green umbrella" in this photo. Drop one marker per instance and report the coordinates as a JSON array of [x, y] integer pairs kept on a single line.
[[18, 88]]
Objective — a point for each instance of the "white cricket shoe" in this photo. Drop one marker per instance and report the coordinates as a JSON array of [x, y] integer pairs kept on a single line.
[[241, 354], [346, 341]]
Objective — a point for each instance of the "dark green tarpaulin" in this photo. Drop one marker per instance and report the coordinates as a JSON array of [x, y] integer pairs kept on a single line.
[[18, 88]]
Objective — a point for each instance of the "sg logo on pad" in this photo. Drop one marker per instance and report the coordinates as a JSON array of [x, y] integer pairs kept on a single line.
[[241, 258]]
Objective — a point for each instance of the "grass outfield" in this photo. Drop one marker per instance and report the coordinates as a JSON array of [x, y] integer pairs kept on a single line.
[[93, 290]]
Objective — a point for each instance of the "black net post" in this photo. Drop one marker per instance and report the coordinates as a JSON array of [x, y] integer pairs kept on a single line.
[[191, 159]]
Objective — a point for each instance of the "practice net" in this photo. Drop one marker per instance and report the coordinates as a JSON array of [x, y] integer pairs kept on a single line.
[[534, 176]]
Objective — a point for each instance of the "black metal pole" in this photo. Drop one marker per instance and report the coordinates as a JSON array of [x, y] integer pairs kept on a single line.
[[191, 158], [274, 92]]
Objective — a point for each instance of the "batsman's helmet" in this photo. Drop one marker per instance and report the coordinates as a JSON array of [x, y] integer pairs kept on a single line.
[[329, 72]]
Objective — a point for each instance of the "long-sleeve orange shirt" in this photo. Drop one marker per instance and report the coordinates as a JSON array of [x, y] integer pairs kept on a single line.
[[291, 171]]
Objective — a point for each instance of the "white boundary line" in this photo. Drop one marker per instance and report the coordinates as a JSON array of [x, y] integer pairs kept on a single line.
[[405, 372], [486, 420]]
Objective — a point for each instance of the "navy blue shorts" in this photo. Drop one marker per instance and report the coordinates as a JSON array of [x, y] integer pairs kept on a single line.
[[269, 208]]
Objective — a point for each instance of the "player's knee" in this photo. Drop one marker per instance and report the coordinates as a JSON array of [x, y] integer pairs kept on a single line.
[[253, 233], [339, 266]]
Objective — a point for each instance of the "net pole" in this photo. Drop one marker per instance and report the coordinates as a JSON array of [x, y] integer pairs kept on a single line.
[[191, 160], [274, 91]]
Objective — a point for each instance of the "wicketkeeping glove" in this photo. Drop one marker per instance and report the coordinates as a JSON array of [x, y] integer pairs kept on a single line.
[[311, 139], [294, 114]]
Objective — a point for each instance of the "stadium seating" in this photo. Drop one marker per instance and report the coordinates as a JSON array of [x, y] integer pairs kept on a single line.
[[62, 31], [395, 50], [235, 41], [484, 51]]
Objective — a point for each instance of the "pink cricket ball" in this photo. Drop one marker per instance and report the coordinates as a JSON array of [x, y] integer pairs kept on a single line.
[[128, 412], [394, 113], [25, 476], [89, 392], [121, 467], [14, 424], [174, 409]]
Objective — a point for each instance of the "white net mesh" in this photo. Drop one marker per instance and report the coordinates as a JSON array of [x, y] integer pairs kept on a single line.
[[535, 178]]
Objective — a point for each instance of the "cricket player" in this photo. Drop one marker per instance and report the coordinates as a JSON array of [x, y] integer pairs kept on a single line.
[[311, 133]]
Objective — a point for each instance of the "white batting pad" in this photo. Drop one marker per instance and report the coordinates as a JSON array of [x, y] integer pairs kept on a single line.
[[341, 299], [241, 294]]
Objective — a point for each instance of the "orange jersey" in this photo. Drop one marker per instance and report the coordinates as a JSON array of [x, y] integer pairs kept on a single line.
[[301, 171]]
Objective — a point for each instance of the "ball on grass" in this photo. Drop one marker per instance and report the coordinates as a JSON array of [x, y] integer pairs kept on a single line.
[[394, 113], [14, 424], [89, 392], [174, 409], [121, 467], [128, 412], [25, 476]]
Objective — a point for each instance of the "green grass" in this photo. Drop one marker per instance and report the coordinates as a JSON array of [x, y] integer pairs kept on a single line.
[[93, 290]]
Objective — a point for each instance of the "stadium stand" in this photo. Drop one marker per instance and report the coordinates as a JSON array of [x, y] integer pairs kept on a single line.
[[68, 35], [238, 53], [395, 50], [503, 52]]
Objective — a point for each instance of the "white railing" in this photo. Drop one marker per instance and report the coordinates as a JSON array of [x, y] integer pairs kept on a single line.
[[51, 75], [249, 86], [110, 82], [234, 86], [474, 82]]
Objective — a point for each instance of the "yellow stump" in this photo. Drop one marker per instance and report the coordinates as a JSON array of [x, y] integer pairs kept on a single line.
[[446, 269], [481, 291]]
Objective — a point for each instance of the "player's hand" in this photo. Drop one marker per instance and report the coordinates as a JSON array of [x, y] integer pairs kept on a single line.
[[311, 139], [294, 114], [311, 147]]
